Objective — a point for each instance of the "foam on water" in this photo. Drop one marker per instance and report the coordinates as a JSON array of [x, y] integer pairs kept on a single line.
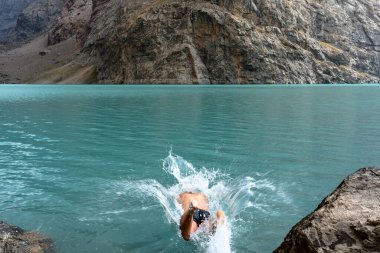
[[220, 241], [231, 195]]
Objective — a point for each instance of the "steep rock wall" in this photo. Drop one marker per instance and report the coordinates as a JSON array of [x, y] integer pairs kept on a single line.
[[38, 17], [21, 20], [235, 41], [73, 21], [9, 12]]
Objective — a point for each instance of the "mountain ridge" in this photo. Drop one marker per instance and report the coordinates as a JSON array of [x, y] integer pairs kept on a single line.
[[230, 41]]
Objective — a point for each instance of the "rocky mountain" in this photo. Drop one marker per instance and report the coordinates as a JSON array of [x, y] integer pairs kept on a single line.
[[215, 41], [73, 21], [24, 19], [235, 41], [37, 17], [54, 32], [9, 12]]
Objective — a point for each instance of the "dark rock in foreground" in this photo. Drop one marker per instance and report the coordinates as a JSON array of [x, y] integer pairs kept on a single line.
[[348, 220], [15, 240]]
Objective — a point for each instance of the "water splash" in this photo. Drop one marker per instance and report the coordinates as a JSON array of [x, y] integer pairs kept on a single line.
[[220, 241], [234, 196]]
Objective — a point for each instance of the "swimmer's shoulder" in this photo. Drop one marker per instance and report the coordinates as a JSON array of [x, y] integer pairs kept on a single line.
[[189, 194], [184, 196]]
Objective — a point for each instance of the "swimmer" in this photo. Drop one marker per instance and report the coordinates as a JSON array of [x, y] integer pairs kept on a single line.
[[196, 213]]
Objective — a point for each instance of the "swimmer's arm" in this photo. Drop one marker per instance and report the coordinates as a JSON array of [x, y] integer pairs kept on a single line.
[[220, 220], [186, 222]]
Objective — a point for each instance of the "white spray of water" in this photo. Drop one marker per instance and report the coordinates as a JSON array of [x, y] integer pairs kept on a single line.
[[220, 241], [231, 195]]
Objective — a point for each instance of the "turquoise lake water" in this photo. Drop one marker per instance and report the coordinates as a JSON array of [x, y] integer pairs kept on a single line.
[[97, 168]]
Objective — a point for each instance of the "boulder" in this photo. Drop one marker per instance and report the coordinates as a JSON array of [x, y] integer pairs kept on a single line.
[[348, 220], [14, 239]]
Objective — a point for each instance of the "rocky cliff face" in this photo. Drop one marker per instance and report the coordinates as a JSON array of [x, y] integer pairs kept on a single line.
[[9, 12], [235, 41], [347, 221], [24, 19], [214, 41], [39, 16], [73, 21]]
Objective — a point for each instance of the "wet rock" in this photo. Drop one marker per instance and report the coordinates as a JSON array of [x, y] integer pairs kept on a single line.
[[346, 221], [14, 239]]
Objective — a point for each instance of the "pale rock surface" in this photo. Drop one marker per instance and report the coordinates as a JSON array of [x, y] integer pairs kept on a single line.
[[347, 221]]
